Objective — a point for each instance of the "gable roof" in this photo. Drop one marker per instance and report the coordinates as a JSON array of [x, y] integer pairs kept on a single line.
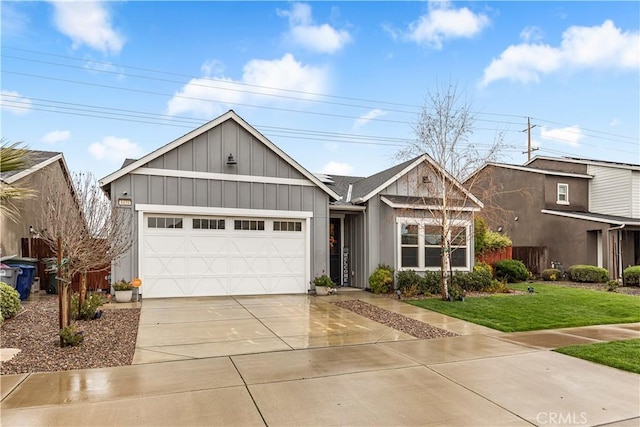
[[35, 161], [229, 115], [368, 187], [532, 170], [617, 165]]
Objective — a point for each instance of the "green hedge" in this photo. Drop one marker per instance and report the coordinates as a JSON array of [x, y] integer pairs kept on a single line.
[[477, 280], [551, 274], [9, 302], [429, 283], [632, 275], [381, 281], [588, 273], [510, 270]]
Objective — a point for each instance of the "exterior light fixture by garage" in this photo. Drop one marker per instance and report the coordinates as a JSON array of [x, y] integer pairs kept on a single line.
[[231, 160]]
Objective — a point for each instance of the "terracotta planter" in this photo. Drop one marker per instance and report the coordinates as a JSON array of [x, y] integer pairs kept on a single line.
[[124, 296]]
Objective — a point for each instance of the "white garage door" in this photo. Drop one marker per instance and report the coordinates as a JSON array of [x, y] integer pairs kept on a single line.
[[210, 256]]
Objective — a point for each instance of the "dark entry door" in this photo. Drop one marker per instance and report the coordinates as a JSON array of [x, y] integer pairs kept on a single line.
[[335, 253]]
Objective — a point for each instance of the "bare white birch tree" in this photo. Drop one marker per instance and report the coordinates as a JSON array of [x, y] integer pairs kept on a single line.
[[444, 126]]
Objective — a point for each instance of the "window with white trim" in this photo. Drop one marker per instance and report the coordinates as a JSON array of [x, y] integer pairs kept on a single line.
[[208, 224], [163, 222], [562, 194], [421, 244], [246, 224]]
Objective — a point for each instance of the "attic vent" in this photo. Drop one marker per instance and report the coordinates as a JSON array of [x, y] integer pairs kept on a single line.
[[425, 179]]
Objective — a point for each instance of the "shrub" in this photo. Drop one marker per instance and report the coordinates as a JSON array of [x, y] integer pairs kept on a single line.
[[324, 280], [551, 274], [479, 234], [632, 275], [408, 278], [9, 301], [483, 266], [498, 287], [511, 270], [612, 285], [456, 292], [431, 283], [380, 281], [70, 337], [495, 241], [588, 273], [411, 291], [473, 281], [89, 308]]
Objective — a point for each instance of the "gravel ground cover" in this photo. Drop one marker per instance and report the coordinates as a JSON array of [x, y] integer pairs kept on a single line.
[[108, 341], [396, 321]]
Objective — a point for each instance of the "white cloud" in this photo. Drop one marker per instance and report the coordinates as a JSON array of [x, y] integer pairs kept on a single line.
[[14, 102], [443, 22], [206, 97], [615, 122], [604, 46], [367, 117], [532, 33], [56, 136], [115, 149], [318, 38], [87, 23], [337, 168], [569, 135]]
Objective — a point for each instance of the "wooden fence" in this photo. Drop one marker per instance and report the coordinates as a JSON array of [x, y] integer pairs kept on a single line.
[[534, 257], [494, 256], [37, 248]]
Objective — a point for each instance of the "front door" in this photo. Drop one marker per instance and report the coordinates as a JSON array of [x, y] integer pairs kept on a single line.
[[335, 250]]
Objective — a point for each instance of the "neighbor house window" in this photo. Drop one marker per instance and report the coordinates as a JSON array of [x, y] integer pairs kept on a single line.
[[563, 194], [208, 224], [246, 224], [162, 222], [421, 244]]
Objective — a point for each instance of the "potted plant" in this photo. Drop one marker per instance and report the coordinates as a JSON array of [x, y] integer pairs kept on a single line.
[[324, 285], [124, 290]]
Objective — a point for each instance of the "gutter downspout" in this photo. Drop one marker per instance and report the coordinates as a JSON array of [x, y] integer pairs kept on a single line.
[[618, 270]]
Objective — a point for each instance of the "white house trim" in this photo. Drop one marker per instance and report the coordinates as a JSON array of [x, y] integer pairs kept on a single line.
[[222, 176], [592, 218], [587, 162], [201, 210], [427, 207], [356, 208], [536, 170]]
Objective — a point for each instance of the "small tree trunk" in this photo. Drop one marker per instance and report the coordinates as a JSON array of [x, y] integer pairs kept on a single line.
[[82, 296], [443, 281]]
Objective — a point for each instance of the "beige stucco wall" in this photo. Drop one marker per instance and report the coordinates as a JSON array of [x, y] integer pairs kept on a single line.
[[11, 232]]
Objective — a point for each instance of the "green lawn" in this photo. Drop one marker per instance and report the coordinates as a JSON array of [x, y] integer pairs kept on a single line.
[[618, 354], [549, 307]]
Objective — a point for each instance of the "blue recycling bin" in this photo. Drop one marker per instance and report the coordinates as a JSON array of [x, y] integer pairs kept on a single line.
[[25, 279]]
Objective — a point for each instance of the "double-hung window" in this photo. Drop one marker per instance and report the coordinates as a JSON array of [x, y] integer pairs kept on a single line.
[[562, 194], [421, 243]]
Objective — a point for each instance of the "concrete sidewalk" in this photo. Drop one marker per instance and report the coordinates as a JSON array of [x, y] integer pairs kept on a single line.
[[299, 360]]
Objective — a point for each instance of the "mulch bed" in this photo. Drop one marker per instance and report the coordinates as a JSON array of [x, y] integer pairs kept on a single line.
[[108, 341], [396, 321]]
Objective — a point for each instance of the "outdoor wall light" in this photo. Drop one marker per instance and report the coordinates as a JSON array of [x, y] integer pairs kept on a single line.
[[500, 229], [231, 160]]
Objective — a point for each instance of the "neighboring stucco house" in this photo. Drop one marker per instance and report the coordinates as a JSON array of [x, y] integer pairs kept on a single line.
[[223, 211], [43, 170], [583, 211]]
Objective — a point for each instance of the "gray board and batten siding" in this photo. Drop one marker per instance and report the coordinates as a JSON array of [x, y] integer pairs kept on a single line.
[[195, 173]]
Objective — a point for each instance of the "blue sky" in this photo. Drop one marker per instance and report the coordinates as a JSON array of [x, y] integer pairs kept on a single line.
[[336, 85]]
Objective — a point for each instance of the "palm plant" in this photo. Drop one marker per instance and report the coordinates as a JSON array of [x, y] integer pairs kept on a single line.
[[12, 157]]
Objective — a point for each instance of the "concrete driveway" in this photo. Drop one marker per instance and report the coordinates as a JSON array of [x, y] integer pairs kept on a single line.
[[300, 360]]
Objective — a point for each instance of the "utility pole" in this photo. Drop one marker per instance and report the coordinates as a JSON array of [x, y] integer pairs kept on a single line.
[[528, 130]]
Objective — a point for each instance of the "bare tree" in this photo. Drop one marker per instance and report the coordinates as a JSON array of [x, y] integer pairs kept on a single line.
[[444, 126], [84, 230]]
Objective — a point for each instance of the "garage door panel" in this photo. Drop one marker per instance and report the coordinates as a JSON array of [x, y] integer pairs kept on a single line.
[[212, 262]]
